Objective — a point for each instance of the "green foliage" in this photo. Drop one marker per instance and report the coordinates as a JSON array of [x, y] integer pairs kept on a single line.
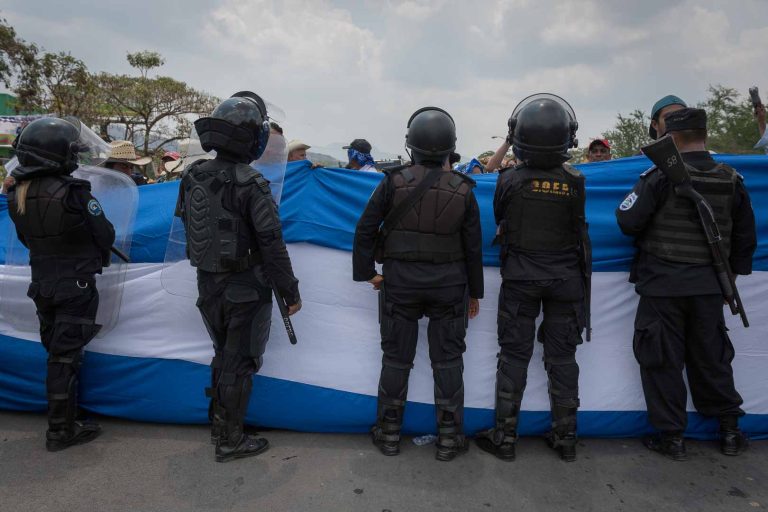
[[731, 121], [157, 104], [145, 60], [15, 53], [629, 134]]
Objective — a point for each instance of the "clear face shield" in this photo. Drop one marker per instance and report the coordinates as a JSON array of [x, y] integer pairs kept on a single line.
[[92, 150]]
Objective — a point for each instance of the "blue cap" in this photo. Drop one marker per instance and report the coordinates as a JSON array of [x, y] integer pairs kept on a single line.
[[666, 101]]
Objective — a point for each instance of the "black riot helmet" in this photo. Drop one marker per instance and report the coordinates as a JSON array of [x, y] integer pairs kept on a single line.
[[431, 135], [238, 126], [49, 142], [542, 129]]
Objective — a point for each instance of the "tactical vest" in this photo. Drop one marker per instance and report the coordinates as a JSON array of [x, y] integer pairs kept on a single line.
[[218, 238], [676, 233], [431, 230], [542, 208], [50, 227]]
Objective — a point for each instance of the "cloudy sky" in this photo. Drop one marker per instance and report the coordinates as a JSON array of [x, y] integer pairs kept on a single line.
[[343, 69]]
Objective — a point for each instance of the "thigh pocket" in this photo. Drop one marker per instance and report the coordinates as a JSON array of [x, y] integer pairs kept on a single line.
[[507, 322], [648, 344], [239, 294], [728, 351]]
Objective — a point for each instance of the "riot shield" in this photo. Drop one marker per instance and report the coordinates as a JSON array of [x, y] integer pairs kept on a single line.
[[272, 164], [118, 197], [178, 277]]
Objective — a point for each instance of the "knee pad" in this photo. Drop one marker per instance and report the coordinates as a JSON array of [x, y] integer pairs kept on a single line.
[[449, 377], [393, 383]]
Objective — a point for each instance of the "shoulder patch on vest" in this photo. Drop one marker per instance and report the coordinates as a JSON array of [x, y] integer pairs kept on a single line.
[[628, 202], [649, 172], [94, 208]]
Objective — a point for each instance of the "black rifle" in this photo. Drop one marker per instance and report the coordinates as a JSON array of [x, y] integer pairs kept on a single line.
[[664, 154], [284, 314]]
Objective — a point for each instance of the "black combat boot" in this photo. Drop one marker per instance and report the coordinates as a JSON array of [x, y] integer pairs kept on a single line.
[[64, 429], [79, 432], [235, 443], [216, 415], [389, 420], [501, 440], [732, 440], [562, 438], [451, 441], [670, 444]]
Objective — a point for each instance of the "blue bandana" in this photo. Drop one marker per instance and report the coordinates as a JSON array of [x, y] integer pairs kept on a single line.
[[469, 166], [361, 158]]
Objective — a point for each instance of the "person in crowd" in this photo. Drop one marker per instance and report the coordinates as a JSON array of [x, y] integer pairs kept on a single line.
[[297, 150], [432, 266], [123, 159], [240, 255], [359, 155], [760, 117], [539, 208], [679, 322], [659, 111], [69, 240], [472, 167], [599, 150]]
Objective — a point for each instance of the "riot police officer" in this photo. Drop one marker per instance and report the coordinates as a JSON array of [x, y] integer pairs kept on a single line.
[[423, 223], [539, 208], [234, 238], [69, 240], [679, 322]]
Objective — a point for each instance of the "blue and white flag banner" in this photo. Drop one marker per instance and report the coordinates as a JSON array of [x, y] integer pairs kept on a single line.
[[153, 365]]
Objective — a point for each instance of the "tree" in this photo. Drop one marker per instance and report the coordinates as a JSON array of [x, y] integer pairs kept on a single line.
[[629, 134], [731, 123], [16, 58], [63, 86], [152, 108], [145, 60]]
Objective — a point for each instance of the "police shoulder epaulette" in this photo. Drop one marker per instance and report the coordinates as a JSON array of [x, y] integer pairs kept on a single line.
[[193, 165], [649, 172], [458, 177], [510, 168], [736, 174], [572, 171], [397, 168]]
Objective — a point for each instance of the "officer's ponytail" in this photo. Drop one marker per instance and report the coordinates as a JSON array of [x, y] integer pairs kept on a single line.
[[21, 196]]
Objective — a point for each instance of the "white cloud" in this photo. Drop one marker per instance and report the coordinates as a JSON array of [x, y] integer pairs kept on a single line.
[[586, 23], [308, 35]]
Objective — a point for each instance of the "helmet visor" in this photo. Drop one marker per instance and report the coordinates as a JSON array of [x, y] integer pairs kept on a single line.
[[92, 150]]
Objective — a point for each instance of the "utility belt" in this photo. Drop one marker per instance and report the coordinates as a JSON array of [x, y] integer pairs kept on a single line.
[[242, 263], [426, 247]]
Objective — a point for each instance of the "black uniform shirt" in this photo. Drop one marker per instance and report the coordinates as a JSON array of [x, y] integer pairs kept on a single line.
[[413, 273], [656, 277]]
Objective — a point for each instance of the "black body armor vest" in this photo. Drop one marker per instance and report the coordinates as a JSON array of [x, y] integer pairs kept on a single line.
[[50, 227], [218, 238], [431, 230], [676, 234], [542, 208]]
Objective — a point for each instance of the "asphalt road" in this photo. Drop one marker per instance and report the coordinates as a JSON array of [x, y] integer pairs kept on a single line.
[[168, 468]]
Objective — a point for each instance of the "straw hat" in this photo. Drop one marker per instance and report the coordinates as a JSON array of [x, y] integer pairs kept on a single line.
[[125, 151], [173, 166]]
